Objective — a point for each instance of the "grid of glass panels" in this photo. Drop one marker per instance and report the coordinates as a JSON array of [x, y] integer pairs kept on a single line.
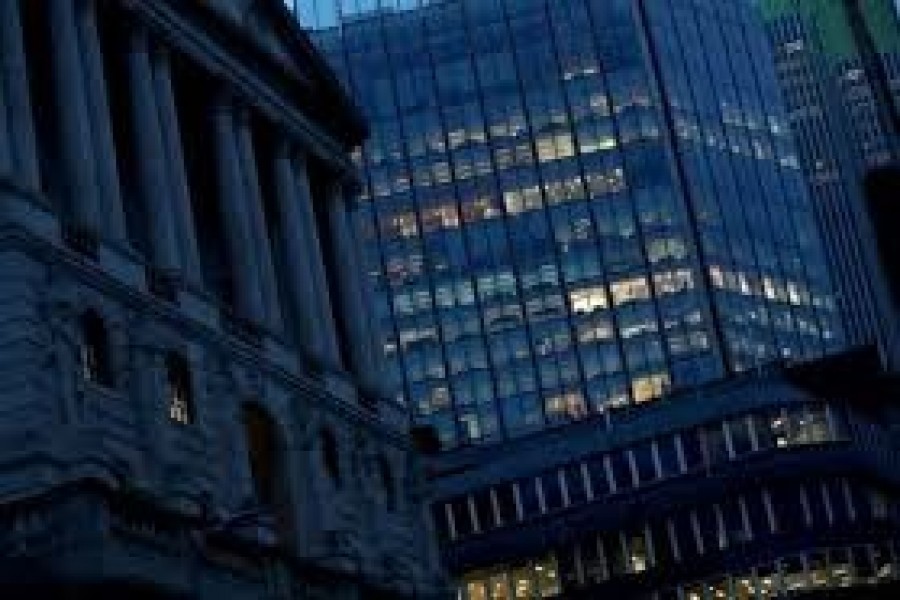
[[573, 205]]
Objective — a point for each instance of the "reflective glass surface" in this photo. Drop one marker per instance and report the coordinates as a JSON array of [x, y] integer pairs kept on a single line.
[[573, 205]]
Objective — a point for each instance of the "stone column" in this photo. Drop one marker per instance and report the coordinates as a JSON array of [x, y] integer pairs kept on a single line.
[[6, 139], [350, 295], [298, 275], [150, 156], [14, 78], [179, 191], [260, 239], [109, 198], [77, 151], [238, 230], [321, 298]]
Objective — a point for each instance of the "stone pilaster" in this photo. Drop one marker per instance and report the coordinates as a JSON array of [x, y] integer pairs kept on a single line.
[[76, 145], [260, 237], [16, 97], [6, 159], [238, 230], [327, 328], [299, 280], [179, 191], [109, 199], [150, 156]]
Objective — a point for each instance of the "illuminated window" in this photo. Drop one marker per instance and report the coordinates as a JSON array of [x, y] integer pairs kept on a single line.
[[476, 590], [180, 394], [444, 216], [523, 583], [672, 282], [629, 290], [649, 387], [569, 405], [588, 300], [402, 225], [596, 141], [638, 557], [547, 575]]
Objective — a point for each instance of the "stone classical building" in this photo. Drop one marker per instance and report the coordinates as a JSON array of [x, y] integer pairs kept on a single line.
[[191, 404]]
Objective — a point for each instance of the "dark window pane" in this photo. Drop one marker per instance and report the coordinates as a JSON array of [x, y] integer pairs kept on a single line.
[[529, 497], [668, 456], [862, 562], [553, 499], [692, 443], [764, 433], [836, 498], [841, 424], [621, 471], [684, 536], [461, 517], [717, 449], [439, 515], [740, 436], [788, 509], [599, 480], [662, 546], [506, 503], [709, 528], [733, 518], [816, 504], [568, 569], [615, 555], [756, 512], [575, 484], [862, 505], [643, 460], [484, 510], [594, 569]]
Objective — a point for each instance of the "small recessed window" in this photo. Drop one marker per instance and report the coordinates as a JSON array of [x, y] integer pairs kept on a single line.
[[95, 350], [388, 487], [330, 456], [180, 397]]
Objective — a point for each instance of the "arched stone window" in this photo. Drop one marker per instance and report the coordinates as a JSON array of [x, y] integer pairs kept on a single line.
[[265, 453], [180, 389], [331, 460], [95, 360], [388, 485]]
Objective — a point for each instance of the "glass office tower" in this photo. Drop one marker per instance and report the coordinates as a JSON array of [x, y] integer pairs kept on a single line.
[[571, 206], [840, 73]]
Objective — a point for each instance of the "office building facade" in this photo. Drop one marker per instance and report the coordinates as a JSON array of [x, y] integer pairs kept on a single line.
[[191, 406], [574, 206], [839, 66], [780, 483]]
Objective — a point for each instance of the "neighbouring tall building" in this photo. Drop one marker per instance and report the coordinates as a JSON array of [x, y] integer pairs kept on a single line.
[[839, 65], [190, 396], [573, 208], [576, 205]]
